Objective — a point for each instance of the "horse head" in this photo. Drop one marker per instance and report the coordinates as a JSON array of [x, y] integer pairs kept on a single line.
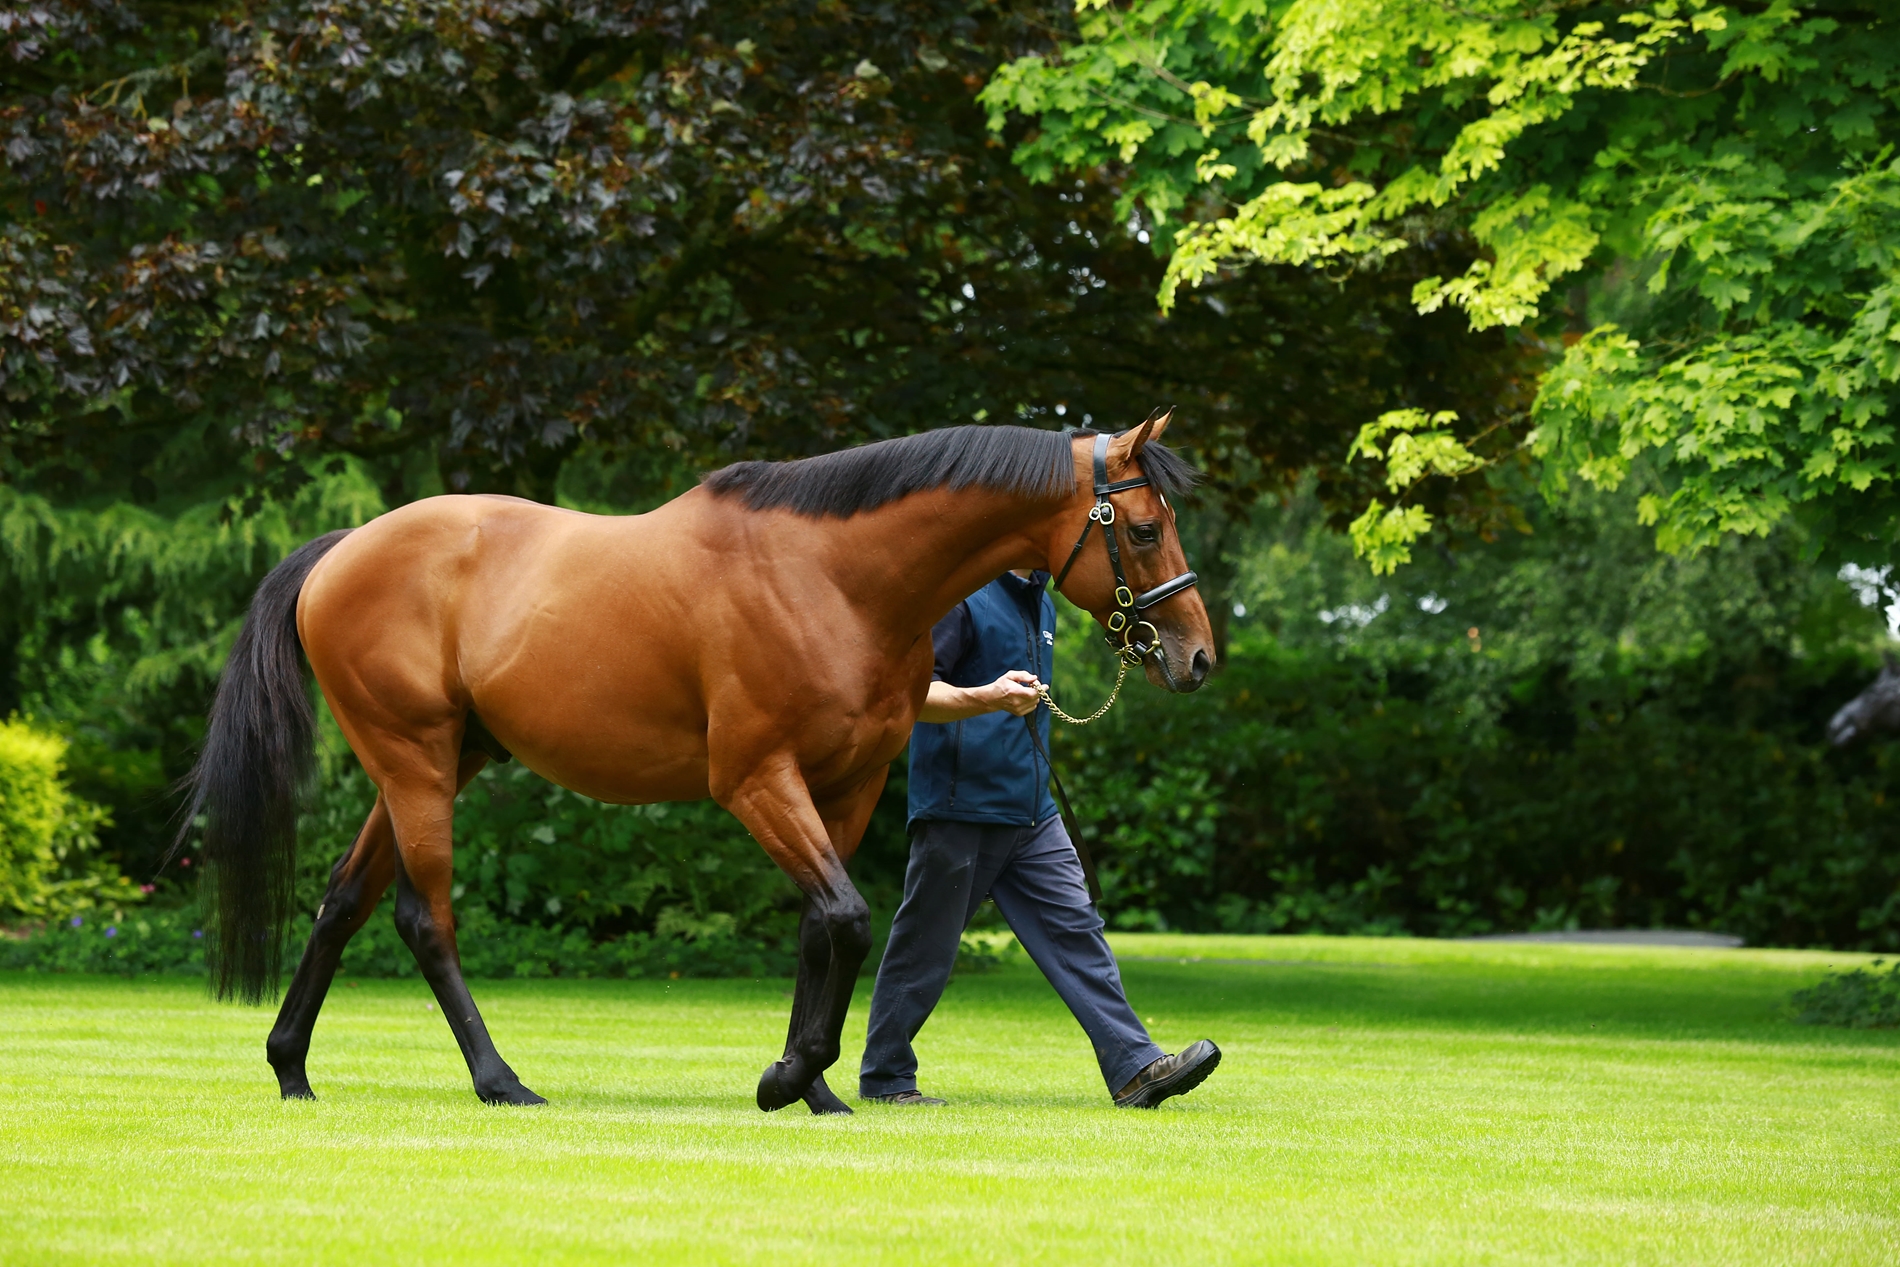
[[1876, 708], [1140, 539]]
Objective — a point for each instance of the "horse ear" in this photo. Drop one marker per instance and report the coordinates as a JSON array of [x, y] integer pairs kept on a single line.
[[1128, 444]]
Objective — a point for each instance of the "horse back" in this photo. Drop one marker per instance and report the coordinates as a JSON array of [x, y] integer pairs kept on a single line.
[[610, 654]]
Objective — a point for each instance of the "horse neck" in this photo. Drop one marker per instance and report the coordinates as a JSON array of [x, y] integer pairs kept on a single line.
[[914, 559]]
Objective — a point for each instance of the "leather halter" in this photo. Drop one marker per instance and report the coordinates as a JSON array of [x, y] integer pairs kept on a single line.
[[1125, 620]]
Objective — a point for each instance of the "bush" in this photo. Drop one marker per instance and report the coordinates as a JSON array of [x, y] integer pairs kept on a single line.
[[146, 941], [541, 871], [1302, 792], [171, 942], [48, 836], [1861, 999], [980, 953], [1559, 730]]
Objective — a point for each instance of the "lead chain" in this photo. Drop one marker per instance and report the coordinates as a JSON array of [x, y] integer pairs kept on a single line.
[[1121, 675]]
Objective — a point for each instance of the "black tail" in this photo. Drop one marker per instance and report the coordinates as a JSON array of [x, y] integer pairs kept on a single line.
[[247, 783]]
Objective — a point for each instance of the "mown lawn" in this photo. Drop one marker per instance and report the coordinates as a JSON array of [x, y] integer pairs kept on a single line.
[[1381, 1101]]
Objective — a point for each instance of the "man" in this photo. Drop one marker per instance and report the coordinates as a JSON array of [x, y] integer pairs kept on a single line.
[[983, 825]]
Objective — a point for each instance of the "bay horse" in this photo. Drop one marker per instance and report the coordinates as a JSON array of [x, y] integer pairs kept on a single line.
[[763, 639]]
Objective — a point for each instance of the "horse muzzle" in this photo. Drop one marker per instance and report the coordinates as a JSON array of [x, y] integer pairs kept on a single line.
[[1160, 669]]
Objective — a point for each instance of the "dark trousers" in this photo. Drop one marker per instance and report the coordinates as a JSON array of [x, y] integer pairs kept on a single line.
[[1036, 881]]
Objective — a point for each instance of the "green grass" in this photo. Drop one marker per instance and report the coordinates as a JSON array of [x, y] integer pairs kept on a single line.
[[1380, 1101]]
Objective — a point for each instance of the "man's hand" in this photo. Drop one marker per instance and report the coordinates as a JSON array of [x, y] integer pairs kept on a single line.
[[1015, 692]]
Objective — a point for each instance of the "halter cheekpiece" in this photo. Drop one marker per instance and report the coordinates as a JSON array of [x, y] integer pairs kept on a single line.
[[1125, 621]]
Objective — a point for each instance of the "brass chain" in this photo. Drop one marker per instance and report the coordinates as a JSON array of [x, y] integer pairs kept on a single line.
[[1121, 675]]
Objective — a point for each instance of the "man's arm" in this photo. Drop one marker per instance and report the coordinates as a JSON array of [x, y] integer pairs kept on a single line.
[[1014, 692]]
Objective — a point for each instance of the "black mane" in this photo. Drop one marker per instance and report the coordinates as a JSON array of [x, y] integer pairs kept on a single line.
[[1007, 459]]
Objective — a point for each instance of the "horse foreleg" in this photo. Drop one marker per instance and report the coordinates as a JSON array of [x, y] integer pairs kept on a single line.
[[814, 966], [424, 815], [834, 932], [357, 883]]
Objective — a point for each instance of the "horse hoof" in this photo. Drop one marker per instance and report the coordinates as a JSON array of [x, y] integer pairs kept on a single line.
[[297, 1093], [822, 1101], [773, 1093], [515, 1094]]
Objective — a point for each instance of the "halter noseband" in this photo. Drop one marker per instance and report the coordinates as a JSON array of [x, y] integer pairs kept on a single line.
[[1125, 619]]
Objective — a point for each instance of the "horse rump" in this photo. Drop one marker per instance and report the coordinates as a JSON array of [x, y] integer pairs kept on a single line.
[[247, 784]]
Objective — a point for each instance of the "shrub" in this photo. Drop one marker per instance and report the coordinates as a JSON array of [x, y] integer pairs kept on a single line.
[[171, 942], [1865, 998], [48, 836], [134, 944], [534, 855], [1558, 730]]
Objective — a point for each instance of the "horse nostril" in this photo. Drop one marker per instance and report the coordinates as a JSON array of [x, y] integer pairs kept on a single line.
[[1201, 666]]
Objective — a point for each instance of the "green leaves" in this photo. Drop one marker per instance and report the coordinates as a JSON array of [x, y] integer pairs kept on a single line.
[[1415, 445], [1787, 401], [47, 834], [1712, 192], [1333, 64], [1287, 224]]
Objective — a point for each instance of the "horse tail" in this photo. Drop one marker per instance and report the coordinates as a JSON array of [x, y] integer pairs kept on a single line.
[[247, 782]]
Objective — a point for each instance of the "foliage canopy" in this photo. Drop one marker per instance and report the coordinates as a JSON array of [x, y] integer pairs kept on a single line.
[[1700, 199], [459, 238]]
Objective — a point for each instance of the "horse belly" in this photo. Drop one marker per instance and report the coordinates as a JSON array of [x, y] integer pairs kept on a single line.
[[613, 718]]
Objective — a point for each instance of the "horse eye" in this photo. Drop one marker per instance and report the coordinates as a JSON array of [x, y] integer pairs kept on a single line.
[[1147, 534]]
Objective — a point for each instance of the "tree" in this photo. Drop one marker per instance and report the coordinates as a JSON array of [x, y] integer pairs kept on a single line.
[[360, 224], [246, 303], [493, 230], [1697, 200]]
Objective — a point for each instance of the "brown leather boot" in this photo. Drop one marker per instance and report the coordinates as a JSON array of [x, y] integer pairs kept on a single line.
[[1169, 1076]]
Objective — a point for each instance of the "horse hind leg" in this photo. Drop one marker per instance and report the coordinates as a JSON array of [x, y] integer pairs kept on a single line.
[[357, 883], [423, 811]]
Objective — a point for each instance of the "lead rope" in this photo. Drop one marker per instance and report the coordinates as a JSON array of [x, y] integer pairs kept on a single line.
[[1072, 824]]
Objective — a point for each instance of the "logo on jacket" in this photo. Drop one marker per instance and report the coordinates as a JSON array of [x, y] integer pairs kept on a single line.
[[1048, 637]]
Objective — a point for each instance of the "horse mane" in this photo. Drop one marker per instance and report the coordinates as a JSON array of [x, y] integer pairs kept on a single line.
[[1018, 460]]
